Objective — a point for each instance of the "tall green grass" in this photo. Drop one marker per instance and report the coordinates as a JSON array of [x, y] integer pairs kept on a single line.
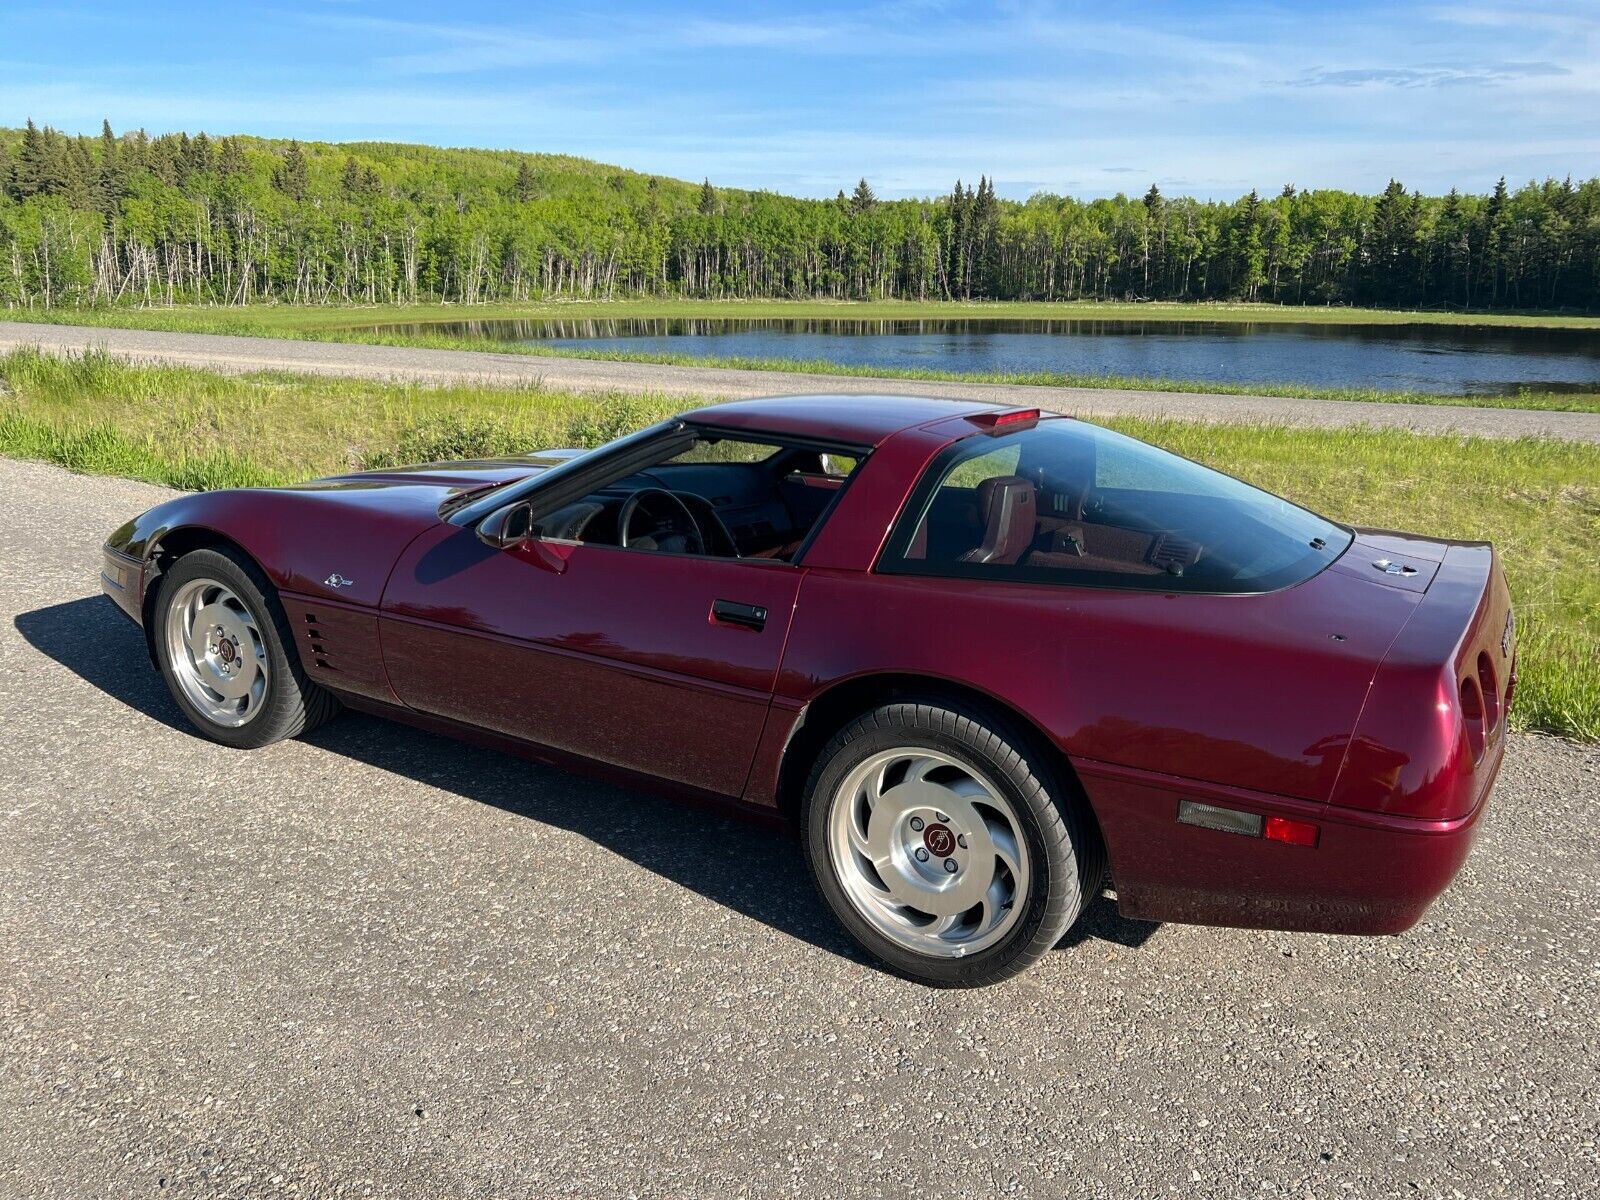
[[1537, 500]]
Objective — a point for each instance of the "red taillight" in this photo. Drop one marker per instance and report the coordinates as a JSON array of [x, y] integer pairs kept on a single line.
[[1472, 716], [1295, 833], [1491, 692]]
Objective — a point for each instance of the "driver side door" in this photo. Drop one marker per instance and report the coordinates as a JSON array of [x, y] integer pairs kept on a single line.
[[651, 662]]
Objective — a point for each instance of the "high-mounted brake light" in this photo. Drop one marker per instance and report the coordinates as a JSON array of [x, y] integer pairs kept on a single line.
[[996, 420]]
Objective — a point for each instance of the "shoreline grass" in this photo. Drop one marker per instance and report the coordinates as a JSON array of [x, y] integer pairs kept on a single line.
[[304, 316], [1537, 499], [336, 324]]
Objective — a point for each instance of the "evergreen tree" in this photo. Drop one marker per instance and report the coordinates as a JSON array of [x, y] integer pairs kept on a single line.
[[200, 156], [708, 200], [230, 160], [1250, 263], [527, 185], [863, 200], [73, 173], [33, 165], [293, 177], [1497, 233], [112, 180], [1153, 235]]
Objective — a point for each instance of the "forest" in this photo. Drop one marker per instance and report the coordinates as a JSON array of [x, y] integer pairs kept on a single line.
[[133, 219]]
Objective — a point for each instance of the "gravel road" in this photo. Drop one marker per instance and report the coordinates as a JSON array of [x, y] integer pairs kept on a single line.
[[381, 963], [242, 354]]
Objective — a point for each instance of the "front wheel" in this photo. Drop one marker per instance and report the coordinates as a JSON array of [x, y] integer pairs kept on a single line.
[[224, 648], [946, 845]]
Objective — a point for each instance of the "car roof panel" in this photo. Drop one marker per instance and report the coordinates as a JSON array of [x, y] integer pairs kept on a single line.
[[863, 420]]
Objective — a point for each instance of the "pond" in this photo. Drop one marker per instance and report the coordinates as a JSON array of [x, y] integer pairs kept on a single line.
[[1458, 360]]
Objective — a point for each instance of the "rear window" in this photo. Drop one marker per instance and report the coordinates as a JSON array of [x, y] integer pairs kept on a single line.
[[1066, 502]]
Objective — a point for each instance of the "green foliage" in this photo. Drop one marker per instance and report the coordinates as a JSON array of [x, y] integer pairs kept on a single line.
[[233, 220], [597, 425], [448, 438]]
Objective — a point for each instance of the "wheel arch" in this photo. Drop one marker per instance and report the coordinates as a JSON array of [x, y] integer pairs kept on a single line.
[[168, 548], [843, 701]]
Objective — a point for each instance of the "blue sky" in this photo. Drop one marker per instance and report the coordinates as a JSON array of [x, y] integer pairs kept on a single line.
[[1208, 99]]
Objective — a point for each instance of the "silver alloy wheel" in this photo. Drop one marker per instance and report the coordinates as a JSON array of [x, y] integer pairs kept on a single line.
[[929, 852], [218, 655]]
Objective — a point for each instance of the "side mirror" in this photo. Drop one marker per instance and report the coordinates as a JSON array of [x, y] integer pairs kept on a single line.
[[507, 527]]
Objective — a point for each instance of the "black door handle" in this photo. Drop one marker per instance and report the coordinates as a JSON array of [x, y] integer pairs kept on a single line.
[[732, 612]]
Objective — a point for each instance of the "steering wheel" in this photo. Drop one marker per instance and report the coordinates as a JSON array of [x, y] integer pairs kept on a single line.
[[674, 528]]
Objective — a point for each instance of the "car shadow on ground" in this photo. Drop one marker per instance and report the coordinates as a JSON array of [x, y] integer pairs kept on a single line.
[[738, 863]]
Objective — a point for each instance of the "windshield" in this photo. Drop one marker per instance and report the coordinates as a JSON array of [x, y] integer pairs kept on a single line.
[[1067, 502], [481, 505]]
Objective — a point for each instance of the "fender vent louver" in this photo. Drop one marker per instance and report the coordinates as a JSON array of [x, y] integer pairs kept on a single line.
[[1173, 553], [317, 640]]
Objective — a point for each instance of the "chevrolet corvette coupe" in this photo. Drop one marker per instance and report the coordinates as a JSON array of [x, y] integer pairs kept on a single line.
[[978, 656]]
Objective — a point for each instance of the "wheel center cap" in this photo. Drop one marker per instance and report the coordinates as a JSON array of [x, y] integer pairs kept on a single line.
[[226, 650], [939, 840]]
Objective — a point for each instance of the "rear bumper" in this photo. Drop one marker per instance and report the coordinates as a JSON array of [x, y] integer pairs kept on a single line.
[[1369, 873], [122, 578]]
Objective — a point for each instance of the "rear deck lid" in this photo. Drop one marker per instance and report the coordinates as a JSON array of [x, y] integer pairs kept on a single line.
[[1392, 561]]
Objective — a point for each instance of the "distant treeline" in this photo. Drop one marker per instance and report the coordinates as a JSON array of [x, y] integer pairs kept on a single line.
[[230, 220]]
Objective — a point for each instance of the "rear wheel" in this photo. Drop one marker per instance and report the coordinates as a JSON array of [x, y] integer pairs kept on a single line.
[[223, 643], [946, 845]]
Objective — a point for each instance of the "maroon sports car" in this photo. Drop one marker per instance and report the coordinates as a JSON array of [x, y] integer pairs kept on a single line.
[[977, 655]]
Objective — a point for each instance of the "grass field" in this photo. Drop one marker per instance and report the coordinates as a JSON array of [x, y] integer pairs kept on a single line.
[[354, 324], [1539, 501]]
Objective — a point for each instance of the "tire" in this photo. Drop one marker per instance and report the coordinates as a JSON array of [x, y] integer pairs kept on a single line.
[[227, 655], [902, 786]]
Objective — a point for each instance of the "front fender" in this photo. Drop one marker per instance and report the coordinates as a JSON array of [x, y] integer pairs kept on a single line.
[[314, 543]]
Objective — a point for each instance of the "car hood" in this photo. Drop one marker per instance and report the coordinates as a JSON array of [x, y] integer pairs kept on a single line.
[[338, 536], [458, 477]]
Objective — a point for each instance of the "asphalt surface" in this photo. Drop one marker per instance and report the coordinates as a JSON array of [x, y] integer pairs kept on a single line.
[[381, 963], [244, 354]]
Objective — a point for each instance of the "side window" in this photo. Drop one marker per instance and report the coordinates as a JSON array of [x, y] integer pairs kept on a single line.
[[725, 450], [1067, 502], [981, 511]]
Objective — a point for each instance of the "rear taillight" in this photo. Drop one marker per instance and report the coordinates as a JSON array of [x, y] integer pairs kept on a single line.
[[1489, 686], [1472, 715]]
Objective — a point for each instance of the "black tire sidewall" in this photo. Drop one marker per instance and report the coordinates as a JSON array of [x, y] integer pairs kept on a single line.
[[1001, 754], [283, 709]]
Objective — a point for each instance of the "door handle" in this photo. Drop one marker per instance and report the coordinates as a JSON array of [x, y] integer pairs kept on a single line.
[[732, 612]]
